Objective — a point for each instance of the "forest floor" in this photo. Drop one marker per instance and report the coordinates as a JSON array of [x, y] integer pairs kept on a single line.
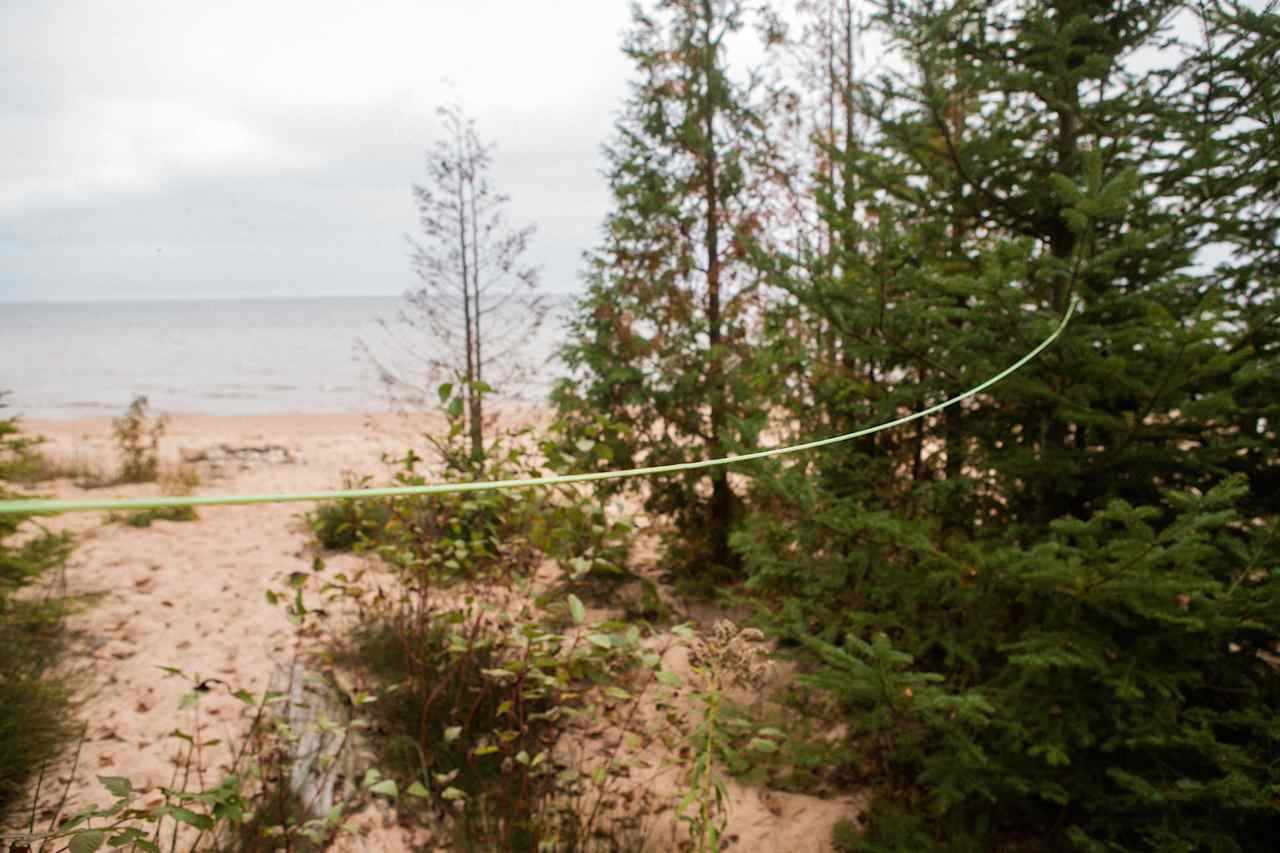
[[191, 596]]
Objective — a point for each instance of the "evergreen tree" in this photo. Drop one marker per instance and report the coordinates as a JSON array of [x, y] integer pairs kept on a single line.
[[660, 341], [478, 303], [1053, 617], [34, 705], [1234, 109]]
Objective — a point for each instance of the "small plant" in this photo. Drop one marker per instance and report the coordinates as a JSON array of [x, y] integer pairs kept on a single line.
[[727, 656], [473, 699], [238, 810], [346, 524], [182, 481], [144, 517], [138, 439], [280, 788], [178, 483], [20, 460]]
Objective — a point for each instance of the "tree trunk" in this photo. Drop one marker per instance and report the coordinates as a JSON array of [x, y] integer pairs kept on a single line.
[[1054, 500], [721, 509], [469, 332], [477, 395]]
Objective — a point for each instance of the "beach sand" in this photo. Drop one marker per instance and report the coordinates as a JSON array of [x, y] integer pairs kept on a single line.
[[192, 596]]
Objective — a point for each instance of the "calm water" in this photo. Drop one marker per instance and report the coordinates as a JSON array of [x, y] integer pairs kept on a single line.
[[232, 357]]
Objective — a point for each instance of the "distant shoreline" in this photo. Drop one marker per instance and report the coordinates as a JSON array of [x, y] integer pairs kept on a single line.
[[276, 422], [558, 295], [72, 361]]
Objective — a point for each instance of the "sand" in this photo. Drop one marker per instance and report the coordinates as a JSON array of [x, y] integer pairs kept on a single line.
[[191, 596]]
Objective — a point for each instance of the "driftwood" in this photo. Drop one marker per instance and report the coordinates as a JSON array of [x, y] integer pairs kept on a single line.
[[226, 454], [317, 721]]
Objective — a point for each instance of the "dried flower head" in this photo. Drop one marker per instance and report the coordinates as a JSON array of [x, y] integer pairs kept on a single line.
[[732, 655]]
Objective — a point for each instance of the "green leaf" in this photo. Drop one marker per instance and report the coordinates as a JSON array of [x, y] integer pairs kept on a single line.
[[87, 842], [760, 744], [575, 607], [118, 786], [134, 837], [601, 640], [452, 733], [417, 789], [445, 391], [668, 678], [386, 786], [182, 815], [452, 793]]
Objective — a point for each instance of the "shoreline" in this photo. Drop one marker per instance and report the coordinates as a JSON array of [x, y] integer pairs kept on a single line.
[[325, 444]]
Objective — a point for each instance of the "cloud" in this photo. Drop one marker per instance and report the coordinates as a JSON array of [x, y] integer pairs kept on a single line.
[[142, 129]]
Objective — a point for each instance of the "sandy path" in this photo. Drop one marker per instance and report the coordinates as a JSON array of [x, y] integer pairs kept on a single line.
[[191, 595]]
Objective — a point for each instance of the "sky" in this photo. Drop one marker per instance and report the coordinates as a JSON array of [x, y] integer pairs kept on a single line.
[[173, 149]]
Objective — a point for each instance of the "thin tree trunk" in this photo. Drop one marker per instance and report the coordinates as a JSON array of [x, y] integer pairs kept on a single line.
[[721, 495], [466, 286], [477, 395]]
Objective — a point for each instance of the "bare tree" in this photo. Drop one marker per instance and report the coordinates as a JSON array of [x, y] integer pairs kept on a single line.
[[476, 304]]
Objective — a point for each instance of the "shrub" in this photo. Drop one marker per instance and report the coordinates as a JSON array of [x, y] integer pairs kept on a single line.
[[138, 440], [345, 524], [471, 690], [179, 483], [1112, 687], [34, 722], [471, 534], [20, 461]]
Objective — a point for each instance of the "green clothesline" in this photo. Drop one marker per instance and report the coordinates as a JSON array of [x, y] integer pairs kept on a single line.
[[53, 507]]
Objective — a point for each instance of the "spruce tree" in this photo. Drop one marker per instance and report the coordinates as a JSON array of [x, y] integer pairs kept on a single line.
[[659, 343], [34, 705], [1052, 618]]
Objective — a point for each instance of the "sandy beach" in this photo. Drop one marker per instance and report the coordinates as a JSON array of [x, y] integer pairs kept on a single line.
[[191, 596]]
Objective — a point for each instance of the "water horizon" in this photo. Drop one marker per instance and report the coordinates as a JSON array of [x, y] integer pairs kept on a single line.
[[69, 360]]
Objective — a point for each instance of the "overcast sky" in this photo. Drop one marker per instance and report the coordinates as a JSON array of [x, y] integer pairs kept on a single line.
[[172, 149]]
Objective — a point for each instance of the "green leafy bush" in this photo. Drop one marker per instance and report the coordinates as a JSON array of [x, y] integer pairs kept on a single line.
[[344, 524], [469, 534], [1111, 688], [470, 693], [470, 700], [20, 460], [34, 720]]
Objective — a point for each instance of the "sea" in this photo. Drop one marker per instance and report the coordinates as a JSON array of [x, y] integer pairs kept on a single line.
[[73, 360]]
